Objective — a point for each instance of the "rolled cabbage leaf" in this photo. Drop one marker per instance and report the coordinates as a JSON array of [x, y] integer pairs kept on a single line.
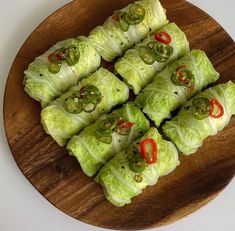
[[118, 180], [62, 125], [136, 73], [162, 96], [92, 153], [188, 132], [111, 41], [44, 86]]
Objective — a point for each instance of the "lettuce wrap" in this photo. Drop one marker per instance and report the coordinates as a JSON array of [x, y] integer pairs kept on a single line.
[[197, 120], [44, 84], [93, 151], [178, 82], [127, 27], [136, 72], [121, 182], [82, 104]]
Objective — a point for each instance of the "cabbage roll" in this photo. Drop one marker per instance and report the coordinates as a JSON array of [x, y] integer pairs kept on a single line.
[[127, 27], [82, 104], [139, 65], [178, 82], [204, 115], [110, 134], [61, 67], [132, 170]]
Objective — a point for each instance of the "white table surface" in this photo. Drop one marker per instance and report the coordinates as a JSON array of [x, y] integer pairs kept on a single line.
[[22, 208]]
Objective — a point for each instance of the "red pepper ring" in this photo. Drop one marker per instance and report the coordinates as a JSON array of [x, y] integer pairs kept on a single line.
[[57, 56], [50, 57], [143, 150], [215, 102], [124, 124], [115, 16], [163, 37]]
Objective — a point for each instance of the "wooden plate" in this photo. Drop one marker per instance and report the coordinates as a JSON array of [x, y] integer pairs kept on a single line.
[[58, 177]]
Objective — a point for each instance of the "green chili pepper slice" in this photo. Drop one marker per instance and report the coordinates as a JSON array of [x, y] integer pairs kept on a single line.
[[183, 77], [137, 9], [163, 50], [138, 178], [90, 94], [122, 23], [105, 138], [107, 125], [72, 55], [54, 68], [160, 59], [201, 108], [104, 130], [147, 54], [131, 151], [137, 164], [123, 131], [151, 44], [73, 105], [133, 19]]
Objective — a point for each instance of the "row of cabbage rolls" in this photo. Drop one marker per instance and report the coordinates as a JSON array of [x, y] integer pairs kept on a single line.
[[73, 59], [119, 144]]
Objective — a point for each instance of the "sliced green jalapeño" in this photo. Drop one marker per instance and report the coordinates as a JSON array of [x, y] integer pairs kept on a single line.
[[122, 22], [73, 105], [137, 164], [86, 99], [201, 108], [72, 55], [90, 94], [183, 77], [137, 9], [147, 54], [162, 51]]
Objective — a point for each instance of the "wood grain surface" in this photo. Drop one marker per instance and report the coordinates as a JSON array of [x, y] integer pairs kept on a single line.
[[58, 177]]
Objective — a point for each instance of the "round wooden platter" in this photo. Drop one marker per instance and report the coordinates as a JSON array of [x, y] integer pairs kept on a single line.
[[58, 177]]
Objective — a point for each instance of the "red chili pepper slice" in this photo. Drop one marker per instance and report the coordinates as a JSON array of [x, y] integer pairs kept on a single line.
[[163, 37], [50, 57], [115, 17], [124, 124], [57, 56], [215, 102], [143, 151]]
